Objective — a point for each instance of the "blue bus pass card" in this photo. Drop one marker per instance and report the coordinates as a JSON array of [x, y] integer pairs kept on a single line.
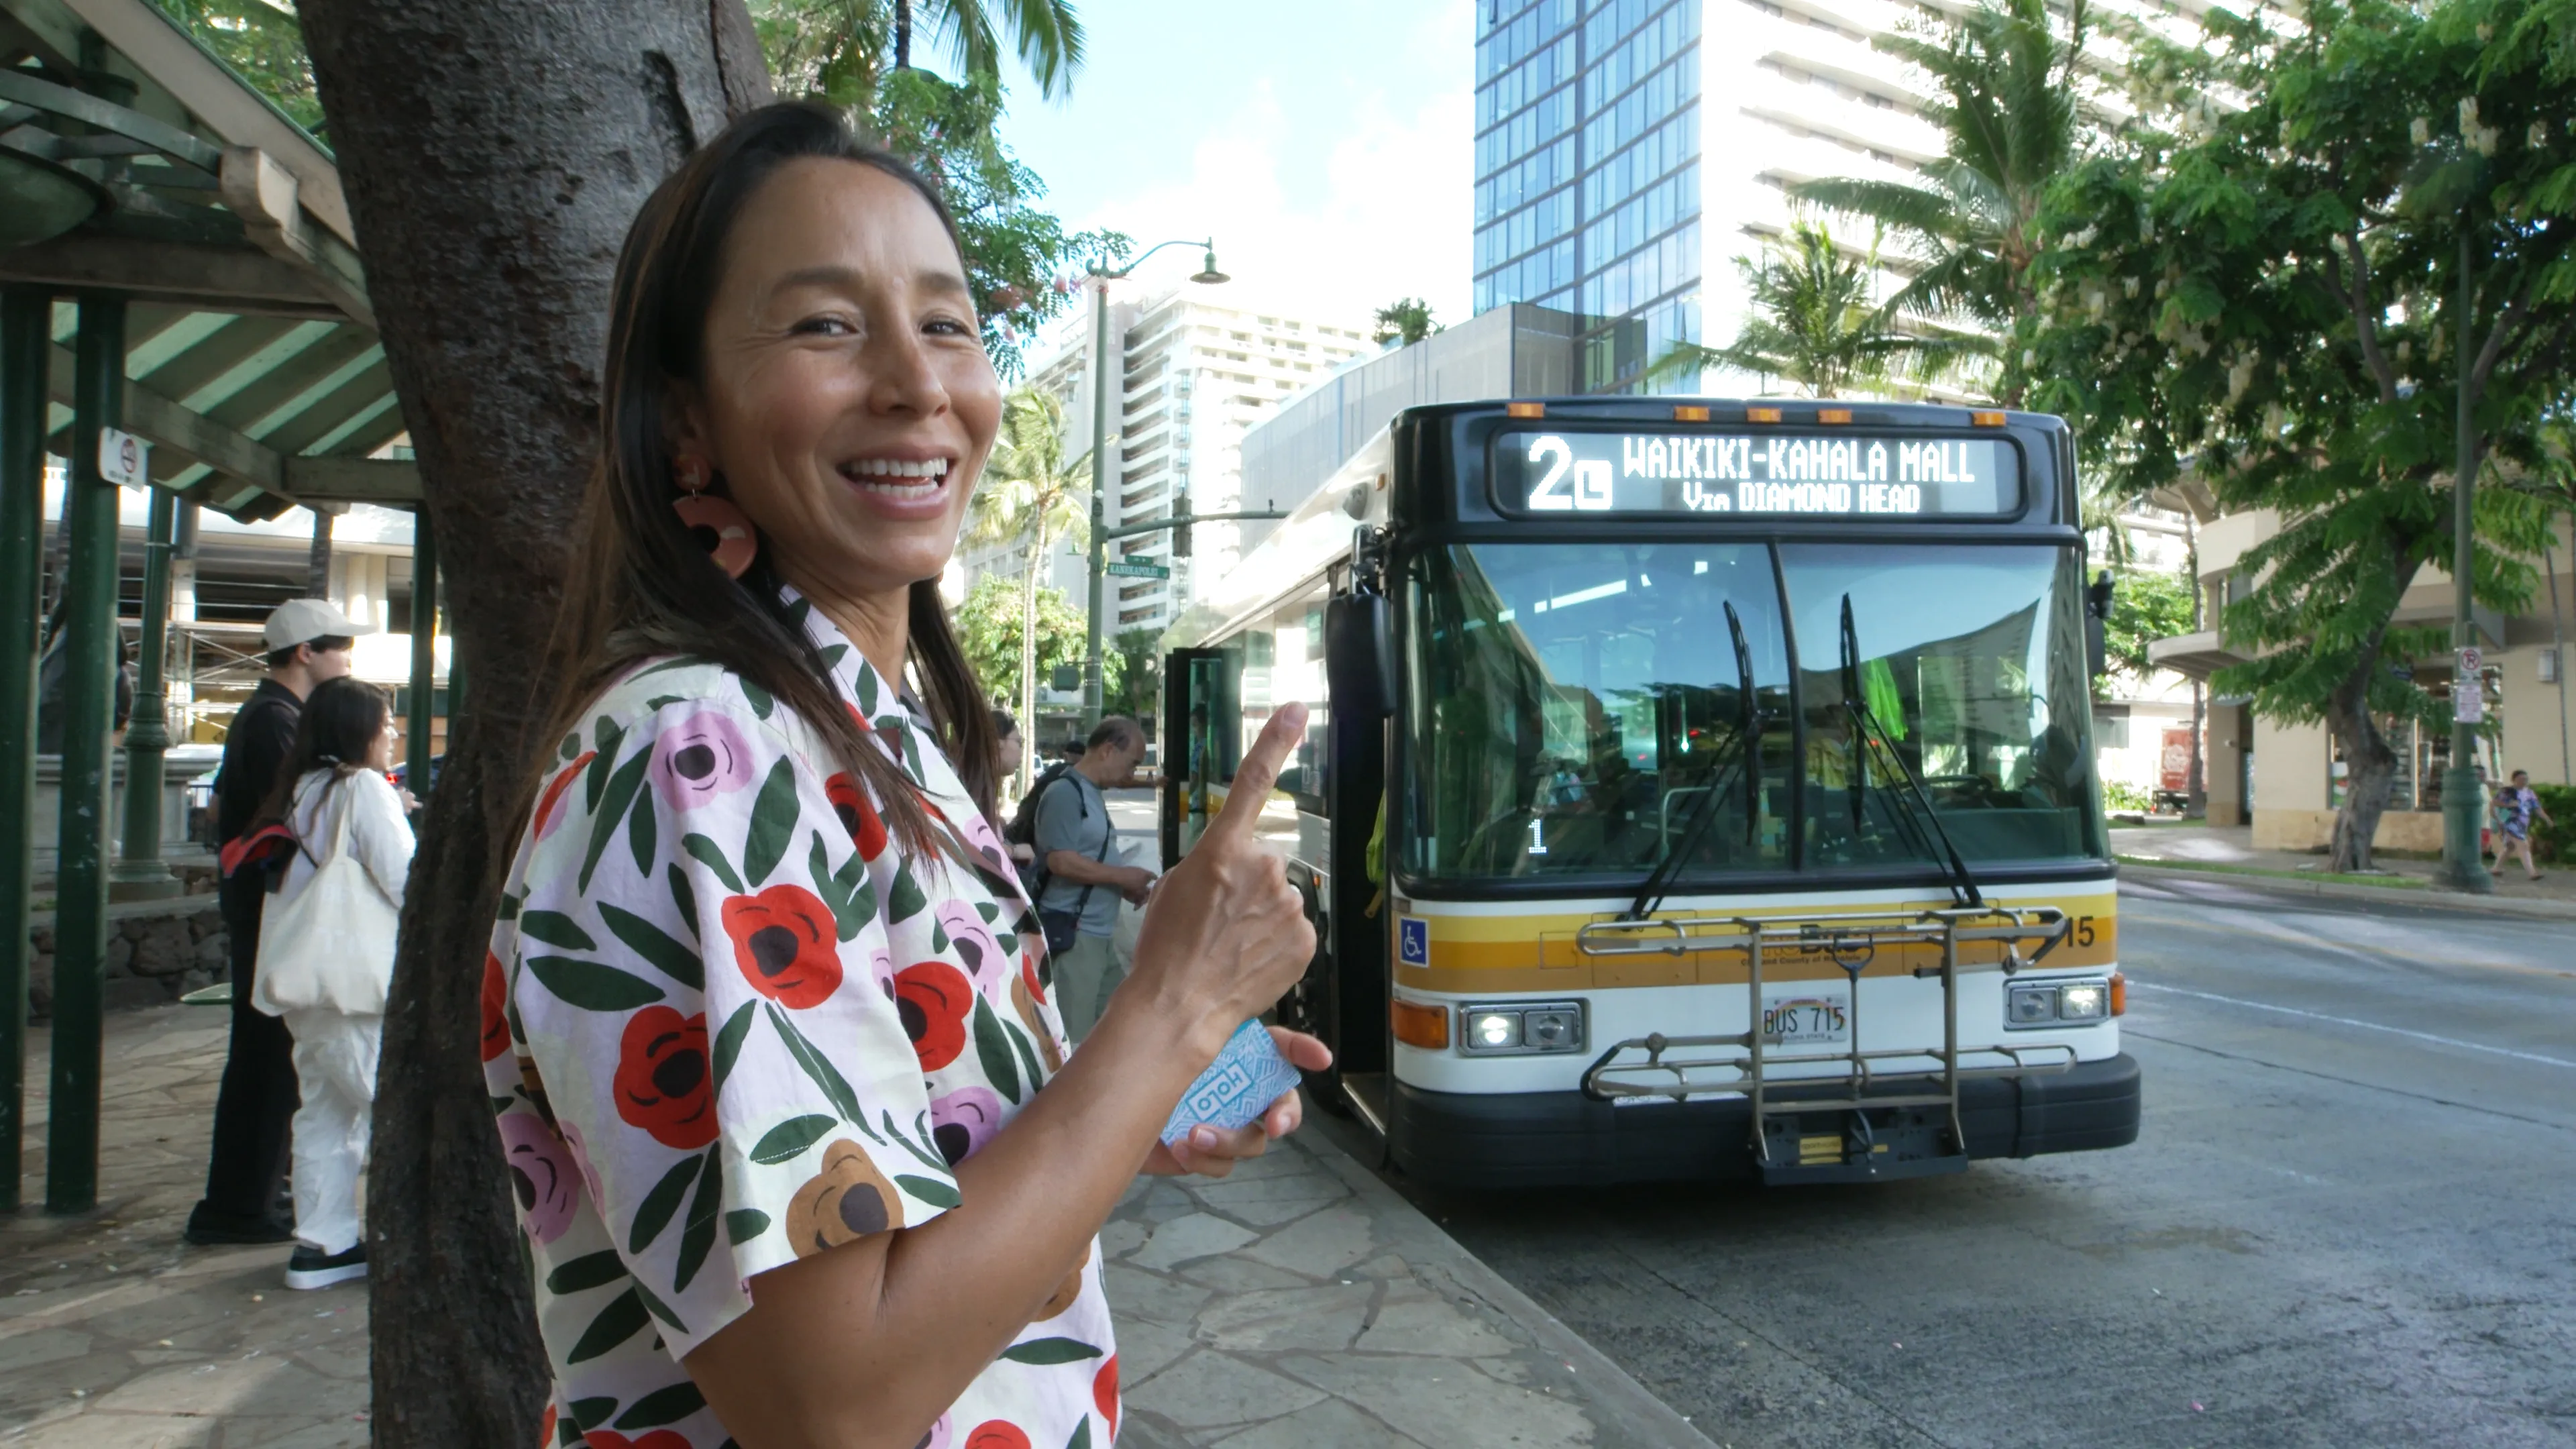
[[1237, 1087]]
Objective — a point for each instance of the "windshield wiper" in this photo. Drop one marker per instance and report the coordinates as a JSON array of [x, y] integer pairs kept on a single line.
[[1914, 805], [1740, 751]]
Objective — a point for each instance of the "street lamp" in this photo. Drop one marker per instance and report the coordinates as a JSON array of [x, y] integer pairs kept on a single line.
[[1101, 277]]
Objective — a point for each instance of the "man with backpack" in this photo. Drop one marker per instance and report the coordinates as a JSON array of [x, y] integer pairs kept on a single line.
[[308, 642], [1078, 884]]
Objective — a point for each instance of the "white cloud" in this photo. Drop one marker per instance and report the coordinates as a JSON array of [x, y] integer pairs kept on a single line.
[[1393, 216]]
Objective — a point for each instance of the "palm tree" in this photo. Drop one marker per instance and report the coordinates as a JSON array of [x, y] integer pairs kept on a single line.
[[2005, 74], [1029, 492], [1045, 32], [1813, 323], [839, 49]]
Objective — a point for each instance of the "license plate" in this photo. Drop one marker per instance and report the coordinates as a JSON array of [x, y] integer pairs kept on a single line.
[[1806, 1018]]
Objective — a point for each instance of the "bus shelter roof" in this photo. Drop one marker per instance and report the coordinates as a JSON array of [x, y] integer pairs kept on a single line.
[[252, 361]]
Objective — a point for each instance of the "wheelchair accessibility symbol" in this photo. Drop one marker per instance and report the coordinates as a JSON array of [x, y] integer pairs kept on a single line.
[[1413, 941]]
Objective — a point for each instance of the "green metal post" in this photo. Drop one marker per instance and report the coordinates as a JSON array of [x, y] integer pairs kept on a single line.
[[1100, 385], [139, 873], [88, 706], [2464, 865], [424, 650], [25, 320]]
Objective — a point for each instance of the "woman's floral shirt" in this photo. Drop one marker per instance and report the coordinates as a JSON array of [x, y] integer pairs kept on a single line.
[[726, 1025]]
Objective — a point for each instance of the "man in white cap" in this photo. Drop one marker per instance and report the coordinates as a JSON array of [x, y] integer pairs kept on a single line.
[[308, 642]]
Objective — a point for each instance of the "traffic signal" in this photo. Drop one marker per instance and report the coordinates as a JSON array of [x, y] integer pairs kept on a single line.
[[1181, 541]]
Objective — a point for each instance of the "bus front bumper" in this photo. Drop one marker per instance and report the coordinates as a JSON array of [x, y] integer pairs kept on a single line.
[[1539, 1139]]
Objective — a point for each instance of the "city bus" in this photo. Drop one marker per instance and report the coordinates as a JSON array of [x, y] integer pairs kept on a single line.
[[1692, 789]]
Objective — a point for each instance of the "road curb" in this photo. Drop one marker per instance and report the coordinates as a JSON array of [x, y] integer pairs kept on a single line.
[[1623, 1411], [2432, 898]]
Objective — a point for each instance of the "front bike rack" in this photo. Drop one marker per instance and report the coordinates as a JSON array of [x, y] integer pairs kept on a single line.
[[1682, 1067]]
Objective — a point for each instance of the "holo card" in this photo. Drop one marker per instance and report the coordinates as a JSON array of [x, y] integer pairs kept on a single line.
[[1237, 1087]]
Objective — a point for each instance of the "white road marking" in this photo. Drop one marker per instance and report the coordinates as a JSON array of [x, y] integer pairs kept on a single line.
[[2364, 1025]]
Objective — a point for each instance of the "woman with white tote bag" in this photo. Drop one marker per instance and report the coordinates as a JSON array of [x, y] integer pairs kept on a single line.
[[326, 955]]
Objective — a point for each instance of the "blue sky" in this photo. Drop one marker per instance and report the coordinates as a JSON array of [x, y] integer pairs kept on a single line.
[[1327, 144]]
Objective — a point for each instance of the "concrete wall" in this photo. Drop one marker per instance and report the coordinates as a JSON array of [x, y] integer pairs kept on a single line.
[[2416, 830]]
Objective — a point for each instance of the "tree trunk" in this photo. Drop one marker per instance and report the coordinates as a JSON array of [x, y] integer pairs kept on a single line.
[[2195, 784], [2195, 781], [2369, 767], [1029, 658], [902, 34], [493, 152]]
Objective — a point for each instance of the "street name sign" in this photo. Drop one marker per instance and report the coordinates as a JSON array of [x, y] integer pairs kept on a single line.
[[1137, 571]]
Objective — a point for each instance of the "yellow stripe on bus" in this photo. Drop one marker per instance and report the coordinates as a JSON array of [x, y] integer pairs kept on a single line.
[[1537, 952]]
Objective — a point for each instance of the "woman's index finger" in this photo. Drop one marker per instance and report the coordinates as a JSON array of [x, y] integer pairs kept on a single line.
[[1253, 779]]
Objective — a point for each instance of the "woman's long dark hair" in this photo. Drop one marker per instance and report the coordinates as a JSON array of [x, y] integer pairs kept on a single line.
[[641, 585], [338, 726]]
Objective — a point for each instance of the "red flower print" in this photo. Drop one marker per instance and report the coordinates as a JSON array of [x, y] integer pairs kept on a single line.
[[858, 814], [996, 1434], [662, 1077], [546, 1429], [496, 1008], [545, 822], [1029, 975], [1104, 1392], [787, 945], [657, 1439], [934, 999]]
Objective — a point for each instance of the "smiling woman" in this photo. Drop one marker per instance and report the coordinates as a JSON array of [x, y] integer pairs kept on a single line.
[[767, 1020]]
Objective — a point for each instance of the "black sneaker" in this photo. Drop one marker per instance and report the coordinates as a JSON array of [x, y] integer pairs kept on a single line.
[[208, 1230], [310, 1268]]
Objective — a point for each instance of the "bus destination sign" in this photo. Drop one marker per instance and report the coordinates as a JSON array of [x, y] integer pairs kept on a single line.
[[1767, 475]]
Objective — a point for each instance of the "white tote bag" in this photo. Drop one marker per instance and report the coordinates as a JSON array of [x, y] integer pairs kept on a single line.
[[330, 944]]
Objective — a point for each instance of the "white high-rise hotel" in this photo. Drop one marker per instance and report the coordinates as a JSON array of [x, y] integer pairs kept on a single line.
[[1198, 366], [1629, 150]]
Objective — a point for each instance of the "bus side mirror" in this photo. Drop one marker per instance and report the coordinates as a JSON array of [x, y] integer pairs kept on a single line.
[[1359, 655], [2097, 623]]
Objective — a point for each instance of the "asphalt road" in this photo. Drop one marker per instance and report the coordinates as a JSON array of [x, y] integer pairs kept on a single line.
[[2350, 1221]]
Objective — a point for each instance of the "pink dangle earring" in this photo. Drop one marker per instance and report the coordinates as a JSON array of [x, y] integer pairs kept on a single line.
[[735, 543]]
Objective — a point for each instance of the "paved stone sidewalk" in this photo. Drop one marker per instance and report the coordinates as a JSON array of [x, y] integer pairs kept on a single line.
[[113, 1333], [2186, 846], [1301, 1304], [1298, 1303]]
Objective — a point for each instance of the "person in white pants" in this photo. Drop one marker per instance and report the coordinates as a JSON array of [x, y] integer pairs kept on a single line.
[[326, 956]]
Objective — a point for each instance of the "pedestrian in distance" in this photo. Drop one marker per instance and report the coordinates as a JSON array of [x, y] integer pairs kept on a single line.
[[776, 1065], [1081, 880], [326, 956], [2517, 807], [308, 643]]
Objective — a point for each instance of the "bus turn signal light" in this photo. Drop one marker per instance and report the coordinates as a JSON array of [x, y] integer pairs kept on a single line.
[[1833, 415], [1415, 1025], [1524, 410], [2119, 994], [1689, 413], [1762, 415], [1986, 419]]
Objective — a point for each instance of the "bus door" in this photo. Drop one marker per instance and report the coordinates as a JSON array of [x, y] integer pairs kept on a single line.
[[1202, 734], [1358, 674]]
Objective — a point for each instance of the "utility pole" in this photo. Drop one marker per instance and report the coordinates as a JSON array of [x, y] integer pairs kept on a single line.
[[2464, 865]]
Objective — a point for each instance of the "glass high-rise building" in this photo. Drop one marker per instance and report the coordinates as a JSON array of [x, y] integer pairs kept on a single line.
[[1628, 151]]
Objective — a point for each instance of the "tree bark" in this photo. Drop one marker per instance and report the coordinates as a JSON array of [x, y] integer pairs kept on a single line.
[[2195, 784], [493, 152], [2369, 767]]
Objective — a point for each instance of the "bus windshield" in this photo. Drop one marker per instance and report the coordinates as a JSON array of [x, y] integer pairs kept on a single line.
[[1573, 707]]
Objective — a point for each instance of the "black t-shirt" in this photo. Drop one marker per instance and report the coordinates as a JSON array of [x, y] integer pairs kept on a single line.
[[255, 749]]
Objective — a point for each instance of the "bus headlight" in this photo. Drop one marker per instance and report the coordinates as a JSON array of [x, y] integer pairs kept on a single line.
[[2031, 1005], [2056, 1003], [1511, 1029], [2084, 1001]]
